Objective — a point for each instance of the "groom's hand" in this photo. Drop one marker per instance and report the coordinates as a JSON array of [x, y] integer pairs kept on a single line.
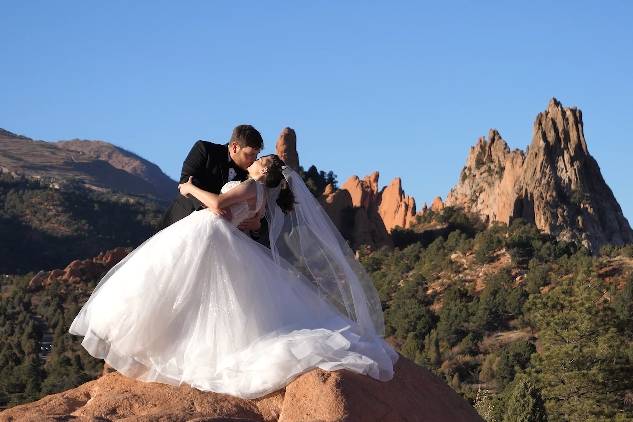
[[253, 223], [224, 213]]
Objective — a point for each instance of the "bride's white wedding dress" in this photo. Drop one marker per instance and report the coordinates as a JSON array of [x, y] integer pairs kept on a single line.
[[201, 303]]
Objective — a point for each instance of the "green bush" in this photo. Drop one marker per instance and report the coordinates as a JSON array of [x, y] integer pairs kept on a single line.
[[454, 315], [536, 277], [486, 243], [494, 308], [408, 312], [524, 402]]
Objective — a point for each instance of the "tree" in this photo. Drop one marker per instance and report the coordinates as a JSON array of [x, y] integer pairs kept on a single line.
[[408, 313], [623, 306], [536, 277], [524, 403], [411, 349], [432, 349], [492, 309], [454, 315], [316, 180], [487, 242], [584, 367], [523, 239]]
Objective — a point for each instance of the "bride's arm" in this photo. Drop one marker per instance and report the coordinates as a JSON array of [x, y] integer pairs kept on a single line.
[[243, 192], [240, 193]]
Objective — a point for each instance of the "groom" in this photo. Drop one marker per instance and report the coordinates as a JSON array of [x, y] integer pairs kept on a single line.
[[213, 165]]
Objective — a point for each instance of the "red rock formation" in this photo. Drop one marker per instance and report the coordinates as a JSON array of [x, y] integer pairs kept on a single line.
[[437, 204], [366, 215], [336, 203], [80, 270], [364, 192], [396, 209], [354, 211], [556, 183], [287, 148], [415, 394]]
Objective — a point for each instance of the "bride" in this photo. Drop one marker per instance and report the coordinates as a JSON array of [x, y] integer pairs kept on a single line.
[[202, 303]]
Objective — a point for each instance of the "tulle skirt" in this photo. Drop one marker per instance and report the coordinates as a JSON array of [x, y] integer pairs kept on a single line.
[[201, 303]]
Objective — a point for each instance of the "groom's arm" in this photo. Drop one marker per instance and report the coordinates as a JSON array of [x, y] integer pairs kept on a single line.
[[194, 164]]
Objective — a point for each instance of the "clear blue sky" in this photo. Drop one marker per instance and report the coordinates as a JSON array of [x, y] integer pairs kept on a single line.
[[400, 87]]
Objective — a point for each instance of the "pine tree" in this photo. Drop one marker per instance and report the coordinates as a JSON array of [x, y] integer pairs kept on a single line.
[[524, 403], [408, 312], [584, 369], [623, 305], [410, 347], [432, 349]]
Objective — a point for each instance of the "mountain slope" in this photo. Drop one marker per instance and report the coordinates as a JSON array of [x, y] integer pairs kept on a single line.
[[94, 164]]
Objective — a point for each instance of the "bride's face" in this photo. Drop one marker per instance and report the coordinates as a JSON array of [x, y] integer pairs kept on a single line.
[[259, 167]]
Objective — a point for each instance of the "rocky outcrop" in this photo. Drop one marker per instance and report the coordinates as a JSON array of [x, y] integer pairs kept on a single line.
[[437, 205], [396, 209], [555, 183], [366, 215], [80, 271], [287, 148], [415, 394]]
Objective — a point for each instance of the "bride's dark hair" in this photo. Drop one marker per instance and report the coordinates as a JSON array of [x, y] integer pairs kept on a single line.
[[274, 177]]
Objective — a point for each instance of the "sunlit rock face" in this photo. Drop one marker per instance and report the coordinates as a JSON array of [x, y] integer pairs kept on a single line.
[[555, 183]]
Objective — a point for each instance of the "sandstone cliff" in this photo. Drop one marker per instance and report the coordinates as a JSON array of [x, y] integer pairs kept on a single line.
[[555, 183]]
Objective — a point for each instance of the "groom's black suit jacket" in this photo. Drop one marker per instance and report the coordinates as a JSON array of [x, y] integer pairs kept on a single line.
[[209, 165]]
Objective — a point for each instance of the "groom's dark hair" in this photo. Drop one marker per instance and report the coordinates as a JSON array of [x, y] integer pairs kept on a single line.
[[247, 136]]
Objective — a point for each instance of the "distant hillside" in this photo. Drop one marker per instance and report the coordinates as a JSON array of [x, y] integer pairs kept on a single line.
[[67, 200], [95, 164], [43, 226]]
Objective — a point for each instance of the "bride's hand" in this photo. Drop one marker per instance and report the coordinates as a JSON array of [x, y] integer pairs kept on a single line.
[[185, 188]]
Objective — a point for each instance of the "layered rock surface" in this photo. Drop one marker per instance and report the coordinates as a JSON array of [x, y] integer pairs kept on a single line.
[[415, 394], [555, 183]]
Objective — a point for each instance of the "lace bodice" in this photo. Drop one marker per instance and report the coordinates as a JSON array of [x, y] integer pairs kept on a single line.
[[241, 211]]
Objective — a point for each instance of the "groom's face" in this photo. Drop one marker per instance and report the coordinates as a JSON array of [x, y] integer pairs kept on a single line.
[[243, 156]]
